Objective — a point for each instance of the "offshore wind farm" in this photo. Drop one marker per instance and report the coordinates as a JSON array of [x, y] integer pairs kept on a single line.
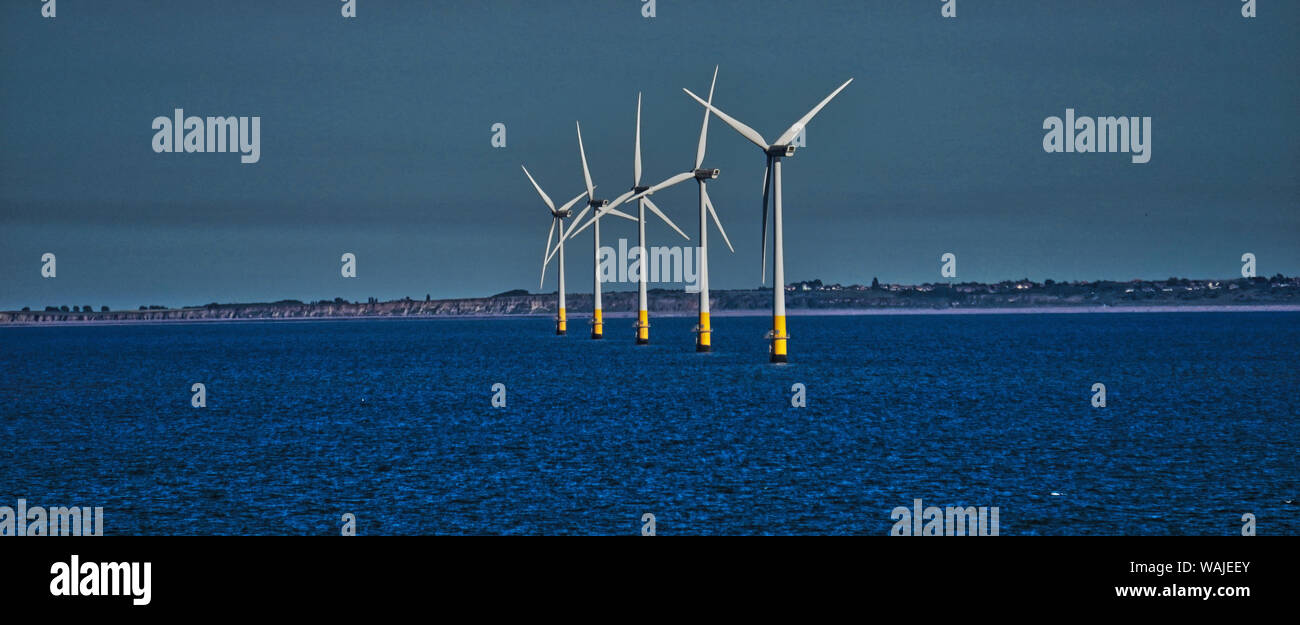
[[782, 147], [643, 321], [979, 284], [641, 195]]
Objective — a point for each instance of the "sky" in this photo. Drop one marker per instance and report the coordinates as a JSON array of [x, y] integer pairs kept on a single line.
[[376, 139]]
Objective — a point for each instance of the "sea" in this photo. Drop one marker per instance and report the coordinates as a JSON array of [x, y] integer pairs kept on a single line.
[[498, 426]]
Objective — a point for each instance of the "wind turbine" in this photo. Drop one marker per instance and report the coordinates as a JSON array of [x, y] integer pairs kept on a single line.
[[557, 218], [639, 193], [603, 207], [775, 151], [704, 331]]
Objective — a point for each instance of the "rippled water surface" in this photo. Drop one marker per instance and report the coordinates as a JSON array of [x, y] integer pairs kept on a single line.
[[392, 421]]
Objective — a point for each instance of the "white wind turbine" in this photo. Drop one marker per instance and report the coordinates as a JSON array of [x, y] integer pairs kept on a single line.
[[704, 330], [603, 207], [639, 193], [558, 216], [774, 151]]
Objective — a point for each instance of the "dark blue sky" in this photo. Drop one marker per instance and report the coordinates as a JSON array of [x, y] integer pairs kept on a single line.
[[376, 140]]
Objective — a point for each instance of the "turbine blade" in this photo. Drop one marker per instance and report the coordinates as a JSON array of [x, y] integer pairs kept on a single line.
[[704, 129], [583, 213], [546, 258], [565, 235], [549, 236], [636, 164], [767, 180], [789, 135], [573, 232], [555, 250], [616, 213], [545, 198], [651, 205], [686, 175], [746, 131], [617, 201], [573, 201], [709, 205], [586, 174]]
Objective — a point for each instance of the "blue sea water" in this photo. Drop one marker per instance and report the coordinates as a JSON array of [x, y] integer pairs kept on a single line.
[[392, 421]]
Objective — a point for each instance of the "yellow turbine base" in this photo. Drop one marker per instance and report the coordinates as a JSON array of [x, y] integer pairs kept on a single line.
[[704, 335], [779, 338], [643, 327]]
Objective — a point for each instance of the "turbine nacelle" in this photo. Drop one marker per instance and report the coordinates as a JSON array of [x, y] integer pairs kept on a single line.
[[707, 174], [598, 203], [640, 189], [780, 150]]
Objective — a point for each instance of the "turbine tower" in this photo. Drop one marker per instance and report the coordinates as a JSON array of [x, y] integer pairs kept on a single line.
[[703, 330], [602, 207], [775, 151], [639, 193], [557, 218]]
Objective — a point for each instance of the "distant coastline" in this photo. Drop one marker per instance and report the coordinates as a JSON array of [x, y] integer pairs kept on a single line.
[[1279, 294]]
